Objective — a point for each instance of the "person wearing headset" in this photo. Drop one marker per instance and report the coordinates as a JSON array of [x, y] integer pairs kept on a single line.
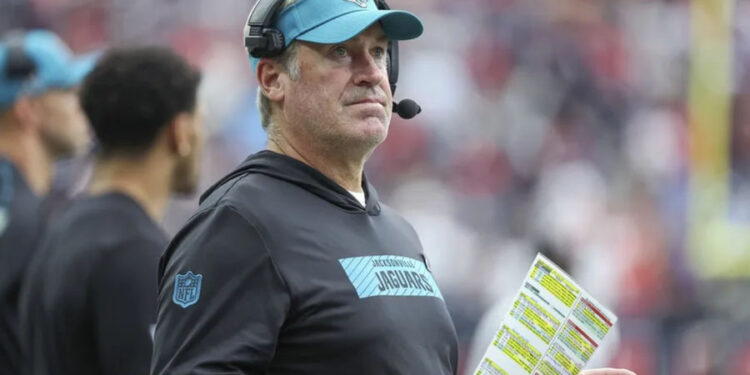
[[40, 122], [291, 264]]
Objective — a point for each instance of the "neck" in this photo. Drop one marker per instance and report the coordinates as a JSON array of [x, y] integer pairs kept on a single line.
[[29, 156], [141, 178], [343, 170]]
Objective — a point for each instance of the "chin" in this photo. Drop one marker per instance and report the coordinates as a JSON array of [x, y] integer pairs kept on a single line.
[[373, 122], [186, 182], [65, 152], [185, 190], [373, 128]]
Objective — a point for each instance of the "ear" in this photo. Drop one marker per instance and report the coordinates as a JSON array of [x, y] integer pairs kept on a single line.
[[181, 134], [270, 78]]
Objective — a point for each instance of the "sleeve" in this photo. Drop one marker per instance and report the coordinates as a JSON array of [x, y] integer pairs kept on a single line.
[[221, 302], [124, 307]]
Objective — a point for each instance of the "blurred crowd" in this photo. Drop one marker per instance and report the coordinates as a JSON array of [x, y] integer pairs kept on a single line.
[[554, 126]]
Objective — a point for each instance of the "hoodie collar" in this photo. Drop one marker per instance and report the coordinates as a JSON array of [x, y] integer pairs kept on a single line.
[[293, 171]]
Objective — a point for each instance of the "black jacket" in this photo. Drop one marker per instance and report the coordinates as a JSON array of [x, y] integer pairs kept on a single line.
[[281, 271], [21, 223], [88, 303]]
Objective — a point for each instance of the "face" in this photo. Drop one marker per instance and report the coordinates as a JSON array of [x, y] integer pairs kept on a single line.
[[187, 170], [63, 126], [342, 99]]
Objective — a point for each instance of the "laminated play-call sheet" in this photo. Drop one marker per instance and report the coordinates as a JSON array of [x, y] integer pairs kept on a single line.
[[552, 328]]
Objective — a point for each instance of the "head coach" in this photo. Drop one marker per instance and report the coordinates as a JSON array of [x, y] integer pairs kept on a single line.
[[291, 264]]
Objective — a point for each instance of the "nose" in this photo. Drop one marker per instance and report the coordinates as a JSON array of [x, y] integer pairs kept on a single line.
[[368, 71]]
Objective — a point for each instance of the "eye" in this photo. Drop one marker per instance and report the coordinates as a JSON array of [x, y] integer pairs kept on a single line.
[[340, 51], [379, 52]]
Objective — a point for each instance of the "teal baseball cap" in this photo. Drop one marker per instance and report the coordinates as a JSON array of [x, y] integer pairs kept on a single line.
[[53, 65], [336, 21]]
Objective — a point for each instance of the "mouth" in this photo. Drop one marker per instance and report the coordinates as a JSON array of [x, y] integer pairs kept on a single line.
[[368, 101]]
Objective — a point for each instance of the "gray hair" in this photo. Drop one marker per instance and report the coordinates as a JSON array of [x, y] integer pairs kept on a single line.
[[288, 60]]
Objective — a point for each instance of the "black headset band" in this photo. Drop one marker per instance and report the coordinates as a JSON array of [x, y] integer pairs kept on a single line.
[[263, 12], [392, 52]]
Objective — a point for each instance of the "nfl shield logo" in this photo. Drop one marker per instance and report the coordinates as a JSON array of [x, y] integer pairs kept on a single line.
[[187, 289]]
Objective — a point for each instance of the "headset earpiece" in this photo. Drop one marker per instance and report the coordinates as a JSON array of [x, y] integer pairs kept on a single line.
[[270, 43], [261, 38]]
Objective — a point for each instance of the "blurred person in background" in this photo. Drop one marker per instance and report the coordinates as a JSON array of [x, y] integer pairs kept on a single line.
[[291, 264], [89, 303], [41, 122]]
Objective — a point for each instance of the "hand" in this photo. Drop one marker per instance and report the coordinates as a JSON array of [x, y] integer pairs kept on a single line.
[[607, 371]]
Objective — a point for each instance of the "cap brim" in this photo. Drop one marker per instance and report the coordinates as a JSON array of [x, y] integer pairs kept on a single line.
[[397, 25], [80, 67]]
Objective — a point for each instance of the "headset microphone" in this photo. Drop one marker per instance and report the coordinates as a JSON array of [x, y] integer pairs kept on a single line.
[[406, 108]]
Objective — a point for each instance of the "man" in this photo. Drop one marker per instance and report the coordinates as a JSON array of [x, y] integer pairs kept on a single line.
[[40, 123], [291, 264], [90, 301]]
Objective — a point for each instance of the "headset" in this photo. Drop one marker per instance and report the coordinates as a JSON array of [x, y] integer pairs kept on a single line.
[[262, 39], [19, 65]]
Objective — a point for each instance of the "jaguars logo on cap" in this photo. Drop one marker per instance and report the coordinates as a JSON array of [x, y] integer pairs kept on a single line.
[[361, 3]]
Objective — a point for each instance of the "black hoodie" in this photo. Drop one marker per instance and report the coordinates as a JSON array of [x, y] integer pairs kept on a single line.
[[281, 271], [21, 223]]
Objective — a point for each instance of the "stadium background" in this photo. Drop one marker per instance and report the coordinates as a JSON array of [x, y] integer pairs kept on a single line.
[[613, 134]]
